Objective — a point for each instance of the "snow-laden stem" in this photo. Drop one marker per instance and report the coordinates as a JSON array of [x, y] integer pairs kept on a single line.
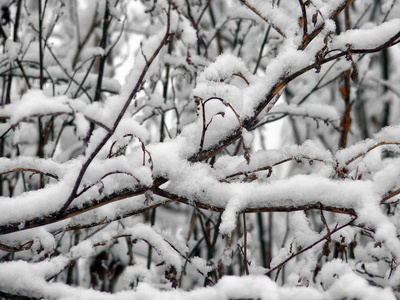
[[136, 89]]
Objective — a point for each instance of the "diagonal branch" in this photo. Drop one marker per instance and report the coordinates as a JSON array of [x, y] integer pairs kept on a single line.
[[136, 89], [278, 267], [310, 37], [304, 19], [77, 210], [264, 18]]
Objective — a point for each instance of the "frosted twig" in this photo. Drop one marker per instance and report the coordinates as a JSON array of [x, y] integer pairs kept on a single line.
[[279, 266], [264, 18]]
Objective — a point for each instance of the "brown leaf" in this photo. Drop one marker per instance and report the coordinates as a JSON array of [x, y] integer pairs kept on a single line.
[[343, 91], [315, 18], [354, 73], [326, 251]]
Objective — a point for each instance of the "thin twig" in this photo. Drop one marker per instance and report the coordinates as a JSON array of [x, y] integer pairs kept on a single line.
[[121, 114], [245, 261], [264, 18], [304, 20], [279, 266]]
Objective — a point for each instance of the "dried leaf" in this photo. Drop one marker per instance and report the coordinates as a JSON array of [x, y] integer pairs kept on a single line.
[[354, 73], [301, 21], [343, 91], [326, 251], [101, 188], [170, 275], [314, 18]]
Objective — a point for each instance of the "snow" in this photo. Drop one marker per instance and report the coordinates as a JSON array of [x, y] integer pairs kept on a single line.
[[12, 49], [300, 227], [312, 110], [360, 37], [310, 150], [224, 67], [43, 165], [359, 288], [35, 102], [278, 17], [89, 53], [34, 204], [18, 276], [230, 215], [120, 180]]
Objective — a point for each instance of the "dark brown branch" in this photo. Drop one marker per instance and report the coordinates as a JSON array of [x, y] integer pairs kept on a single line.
[[77, 210], [209, 153], [304, 19], [245, 261], [103, 45], [136, 89], [249, 123], [71, 78], [30, 170], [262, 50], [389, 195], [264, 18], [71, 263], [370, 149], [86, 188], [25, 246], [3, 33], [269, 208], [318, 30], [86, 38], [309, 247], [41, 54], [269, 168], [252, 121], [346, 121], [15, 296], [98, 124]]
